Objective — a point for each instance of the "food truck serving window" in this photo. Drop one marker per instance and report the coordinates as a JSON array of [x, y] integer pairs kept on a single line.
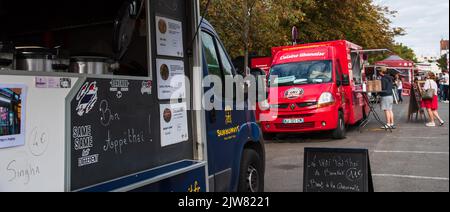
[[101, 37], [357, 67]]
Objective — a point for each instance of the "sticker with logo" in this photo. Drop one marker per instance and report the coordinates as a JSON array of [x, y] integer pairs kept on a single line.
[[228, 115], [53, 82], [294, 93], [84, 142], [119, 86], [87, 97], [147, 87]]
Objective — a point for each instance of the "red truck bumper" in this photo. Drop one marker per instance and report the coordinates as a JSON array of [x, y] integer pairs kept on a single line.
[[323, 119]]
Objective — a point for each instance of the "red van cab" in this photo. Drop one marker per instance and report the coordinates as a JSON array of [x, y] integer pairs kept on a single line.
[[312, 88]]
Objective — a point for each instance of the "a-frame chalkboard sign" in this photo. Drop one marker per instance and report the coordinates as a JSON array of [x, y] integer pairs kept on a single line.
[[415, 103], [337, 170]]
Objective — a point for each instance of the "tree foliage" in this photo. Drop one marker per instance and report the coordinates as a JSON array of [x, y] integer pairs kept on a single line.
[[254, 26], [398, 49], [443, 63]]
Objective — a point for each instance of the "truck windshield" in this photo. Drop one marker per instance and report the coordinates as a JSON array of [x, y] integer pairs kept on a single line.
[[301, 73]]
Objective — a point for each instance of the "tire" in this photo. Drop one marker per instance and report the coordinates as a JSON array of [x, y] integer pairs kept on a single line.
[[340, 131], [251, 176]]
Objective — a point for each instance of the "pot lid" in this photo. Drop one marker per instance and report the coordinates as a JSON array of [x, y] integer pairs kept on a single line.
[[124, 26], [33, 52], [90, 59]]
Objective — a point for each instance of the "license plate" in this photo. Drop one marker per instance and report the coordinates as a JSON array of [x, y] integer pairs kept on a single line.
[[293, 121]]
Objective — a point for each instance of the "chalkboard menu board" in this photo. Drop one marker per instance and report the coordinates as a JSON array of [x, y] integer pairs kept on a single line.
[[337, 170], [415, 100], [115, 132]]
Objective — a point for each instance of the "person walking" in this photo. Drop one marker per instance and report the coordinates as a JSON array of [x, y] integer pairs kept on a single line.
[[399, 83], [440, 82], [445, 84], [432, 105], [387, 98]]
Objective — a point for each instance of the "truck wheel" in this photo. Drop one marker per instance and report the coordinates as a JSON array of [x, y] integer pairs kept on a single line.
[[339, 132], [251, 177]]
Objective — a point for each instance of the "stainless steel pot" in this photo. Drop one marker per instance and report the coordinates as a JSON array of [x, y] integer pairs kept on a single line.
[[91, 65], [34, 59], [60, 60]]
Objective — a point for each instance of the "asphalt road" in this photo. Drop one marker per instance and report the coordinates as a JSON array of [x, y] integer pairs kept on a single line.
[[413, 158]]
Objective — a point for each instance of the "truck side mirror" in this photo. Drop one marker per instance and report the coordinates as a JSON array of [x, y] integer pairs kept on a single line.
[[345, 80]]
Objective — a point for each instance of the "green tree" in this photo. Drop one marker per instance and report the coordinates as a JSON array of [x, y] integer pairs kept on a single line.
[[249, 25], [443, 62], [359, 21], [258, 25]]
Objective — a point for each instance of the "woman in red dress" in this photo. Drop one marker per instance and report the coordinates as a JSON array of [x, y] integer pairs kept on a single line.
[[432, 105]]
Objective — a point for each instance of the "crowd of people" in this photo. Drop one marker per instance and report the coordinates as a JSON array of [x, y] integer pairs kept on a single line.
[[435, 90]]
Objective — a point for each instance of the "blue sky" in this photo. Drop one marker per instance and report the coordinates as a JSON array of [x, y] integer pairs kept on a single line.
[[425, 21]]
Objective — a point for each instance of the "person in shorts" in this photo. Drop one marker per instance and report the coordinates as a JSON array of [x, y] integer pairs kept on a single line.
[[387, 98]]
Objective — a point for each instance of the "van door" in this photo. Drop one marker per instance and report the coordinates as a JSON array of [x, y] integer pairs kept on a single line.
[[223, 124], [340, 93]]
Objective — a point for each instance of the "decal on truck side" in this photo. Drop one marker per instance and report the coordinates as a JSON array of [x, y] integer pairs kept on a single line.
[[229, 133], [87, 97], [293, 56]]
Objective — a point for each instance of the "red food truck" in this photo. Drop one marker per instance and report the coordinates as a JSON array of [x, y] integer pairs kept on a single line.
[[262, 63], [313, 88]]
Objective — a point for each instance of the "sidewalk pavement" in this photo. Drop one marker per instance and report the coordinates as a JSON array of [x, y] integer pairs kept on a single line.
[[414, 158]]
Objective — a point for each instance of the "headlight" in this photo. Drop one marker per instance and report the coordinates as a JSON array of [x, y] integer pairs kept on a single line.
[[326, 99], [264, 105]]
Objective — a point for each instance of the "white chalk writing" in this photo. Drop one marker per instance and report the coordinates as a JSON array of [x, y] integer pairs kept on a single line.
[[130, 136], [38, 143], [24, 172], [106, 115]]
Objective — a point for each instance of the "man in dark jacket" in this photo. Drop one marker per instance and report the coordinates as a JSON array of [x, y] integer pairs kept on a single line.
[[387, 98]]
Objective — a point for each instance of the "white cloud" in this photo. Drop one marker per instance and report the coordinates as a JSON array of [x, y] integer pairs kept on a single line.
[[426, 23]]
